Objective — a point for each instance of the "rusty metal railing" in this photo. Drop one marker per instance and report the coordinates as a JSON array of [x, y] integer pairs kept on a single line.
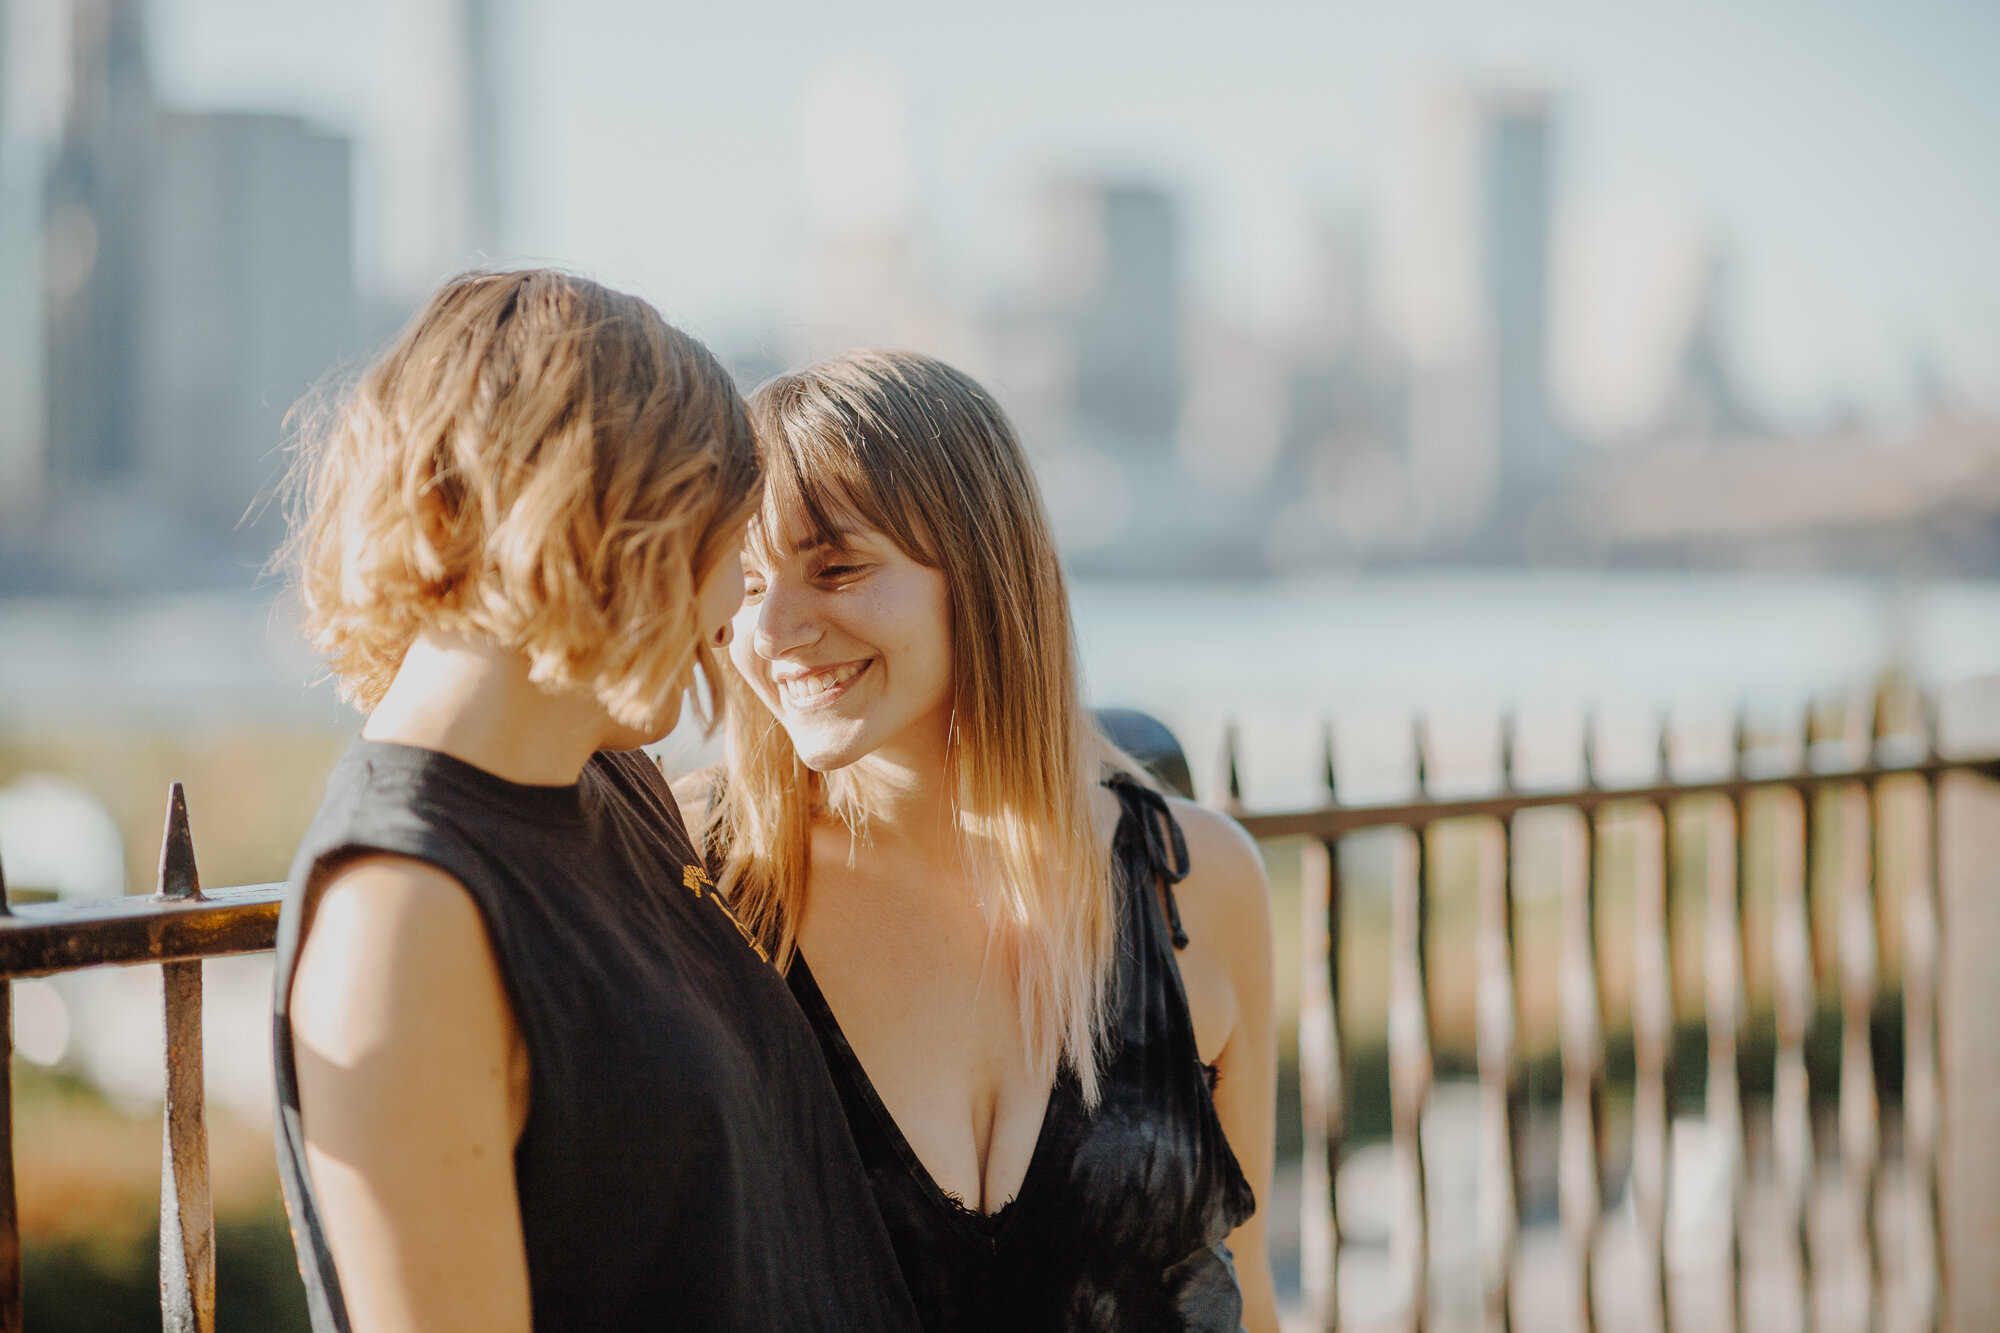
[[177, 926], [1848, 794]]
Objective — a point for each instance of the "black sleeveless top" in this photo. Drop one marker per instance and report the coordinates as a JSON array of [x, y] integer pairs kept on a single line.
[[1121, 1219], [685, 1163]]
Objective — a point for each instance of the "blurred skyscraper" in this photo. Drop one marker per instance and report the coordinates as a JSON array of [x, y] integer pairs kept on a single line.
[[1702, 398], [21, 365], [249, 301], [1514, 235], [199, 279], [862, 280], [1111, 276], [1468, 296], [95, 220], [441, 206]]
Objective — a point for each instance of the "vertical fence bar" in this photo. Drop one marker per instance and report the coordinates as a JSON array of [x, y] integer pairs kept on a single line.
[[1793, 1155], [1652, 1050], [1579, 1170], [1500, 1083], [10, 1218], [1860, 1132], [187, 1221], [1920, 1053], [1322, 1087], [1230, 779], [1410, 1055], [1739, 833], [1722, 968]]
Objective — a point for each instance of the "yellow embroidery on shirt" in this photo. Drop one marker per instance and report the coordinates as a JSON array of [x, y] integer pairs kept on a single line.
[[693, 878], [748, 938]]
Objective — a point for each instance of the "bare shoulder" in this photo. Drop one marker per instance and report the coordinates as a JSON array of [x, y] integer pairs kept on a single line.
[[1226, 893], [391, 939], [413, 1087], [1222, 857]]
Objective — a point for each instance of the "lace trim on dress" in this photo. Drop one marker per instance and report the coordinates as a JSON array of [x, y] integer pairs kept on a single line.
[[989, 1223]]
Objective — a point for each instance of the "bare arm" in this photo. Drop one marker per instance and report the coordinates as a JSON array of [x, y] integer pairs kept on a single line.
[[413, 1088], [1227, 967]]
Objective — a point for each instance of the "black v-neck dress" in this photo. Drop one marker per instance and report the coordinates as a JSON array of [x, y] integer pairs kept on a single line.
[[1121, 1220]]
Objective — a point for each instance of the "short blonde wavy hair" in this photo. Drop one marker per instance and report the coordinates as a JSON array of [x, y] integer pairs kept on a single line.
[[540, 462]]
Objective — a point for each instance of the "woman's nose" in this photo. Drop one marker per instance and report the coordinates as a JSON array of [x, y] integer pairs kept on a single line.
[[784, 623]]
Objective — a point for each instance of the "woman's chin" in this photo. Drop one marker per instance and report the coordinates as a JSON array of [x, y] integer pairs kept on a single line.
[[827, 762], [823, 753]]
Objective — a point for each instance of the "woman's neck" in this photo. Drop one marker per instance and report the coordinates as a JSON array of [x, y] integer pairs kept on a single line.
[[906, 787], [473, 701]]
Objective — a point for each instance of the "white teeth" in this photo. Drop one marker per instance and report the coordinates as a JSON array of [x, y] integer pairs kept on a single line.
[[805, 691]]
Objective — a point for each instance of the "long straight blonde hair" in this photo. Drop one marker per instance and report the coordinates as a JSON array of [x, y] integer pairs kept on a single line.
[[918, 451]]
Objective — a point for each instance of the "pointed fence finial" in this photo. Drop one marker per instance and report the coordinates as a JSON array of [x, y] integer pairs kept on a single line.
[[178, 876], [1590, 748], [1420, 736], [1666, 746], [1928, 703], [1507, 752], [1739, 742], [1232, 780], [1328, 774], [1808, 735]]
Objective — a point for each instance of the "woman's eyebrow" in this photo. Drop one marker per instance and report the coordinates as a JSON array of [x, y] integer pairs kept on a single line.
[[837, 539]]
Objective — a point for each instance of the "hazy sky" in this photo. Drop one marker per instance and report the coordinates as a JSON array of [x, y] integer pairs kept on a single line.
[[1846, 154]]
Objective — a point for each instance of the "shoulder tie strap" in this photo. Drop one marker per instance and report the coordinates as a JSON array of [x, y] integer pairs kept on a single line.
[[1165, 847]]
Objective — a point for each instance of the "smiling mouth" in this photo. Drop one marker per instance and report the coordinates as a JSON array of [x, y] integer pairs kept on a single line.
[[821, 687]]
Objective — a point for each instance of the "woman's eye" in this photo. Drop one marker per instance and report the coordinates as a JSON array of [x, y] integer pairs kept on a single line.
[[839, 573], [752, 590]]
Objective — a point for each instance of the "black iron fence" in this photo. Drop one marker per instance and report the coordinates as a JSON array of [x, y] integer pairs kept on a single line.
[[1836, 814], [179, 925]]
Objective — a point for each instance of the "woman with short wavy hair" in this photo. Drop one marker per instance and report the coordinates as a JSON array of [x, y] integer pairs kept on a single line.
[[1044, 989], [531, 1071]]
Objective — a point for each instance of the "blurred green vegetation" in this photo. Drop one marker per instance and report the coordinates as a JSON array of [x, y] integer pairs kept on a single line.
[[252, 790], [77, 1285], [88, 1182]]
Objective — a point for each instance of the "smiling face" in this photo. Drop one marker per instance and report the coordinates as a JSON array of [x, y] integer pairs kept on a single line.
[[848, 643]]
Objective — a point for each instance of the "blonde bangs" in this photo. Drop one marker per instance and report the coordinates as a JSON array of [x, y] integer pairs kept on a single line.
[[818, 477]]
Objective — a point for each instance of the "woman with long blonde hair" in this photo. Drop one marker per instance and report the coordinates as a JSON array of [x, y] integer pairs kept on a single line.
[[531, 1071], [1043, 988]]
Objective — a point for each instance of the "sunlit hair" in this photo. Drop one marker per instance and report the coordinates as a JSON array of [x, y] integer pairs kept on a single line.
[[917, 451], [539, 462]]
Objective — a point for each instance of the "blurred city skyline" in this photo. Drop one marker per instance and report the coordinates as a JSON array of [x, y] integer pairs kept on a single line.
[[1839, 152], [1270, 290]]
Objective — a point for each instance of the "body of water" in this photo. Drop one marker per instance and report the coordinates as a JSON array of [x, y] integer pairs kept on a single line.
[[1276, 659], [1369, 654]]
